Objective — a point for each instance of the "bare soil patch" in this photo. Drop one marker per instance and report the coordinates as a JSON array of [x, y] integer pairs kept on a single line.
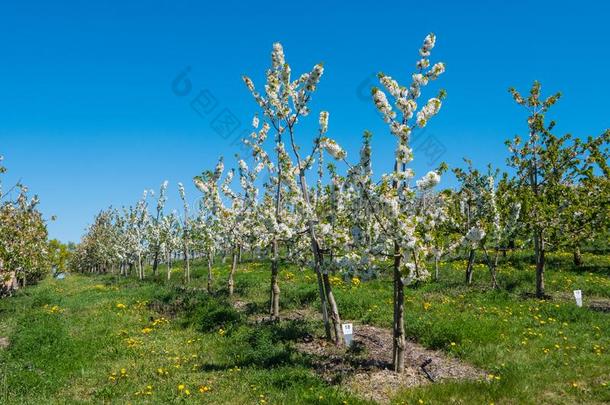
[[4, 342], [602, 305], [365, 368], [596, 304], [292, 315], [240, 305]]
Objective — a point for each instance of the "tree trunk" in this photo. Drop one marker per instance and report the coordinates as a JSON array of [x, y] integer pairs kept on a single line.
[[323, 304], [540, 262], [469, 268], [399, 342], [155, 265], [326, 292], [324, 286], [492, 268], [334, 310], [187, 264], [231, 283], [169, 267], [140, 268], [436, 268], [495, 266], [577, 256], [209, 286], [274, 309]]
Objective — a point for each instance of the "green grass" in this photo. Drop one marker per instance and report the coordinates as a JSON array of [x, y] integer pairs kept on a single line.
[[71, 341]]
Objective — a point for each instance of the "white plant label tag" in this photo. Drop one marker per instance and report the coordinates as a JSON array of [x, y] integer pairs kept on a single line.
[[348, 333], [578, 297]]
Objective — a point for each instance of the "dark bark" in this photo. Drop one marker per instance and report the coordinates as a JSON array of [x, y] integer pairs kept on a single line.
[[155, 265], [327, 298], [540, 263], [169, 267], [187, 266], [140, 268], [577, 257], [470, 266], [399, 341], [274, 308], [334, 310], [323, 305], [209, 281], [231, 283], [492, 265]]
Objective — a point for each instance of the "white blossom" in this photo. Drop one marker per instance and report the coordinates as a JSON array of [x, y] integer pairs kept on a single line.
[[437, 70], [333, 148], [419, 79], [430, 180], [323, 122], [277, 56]]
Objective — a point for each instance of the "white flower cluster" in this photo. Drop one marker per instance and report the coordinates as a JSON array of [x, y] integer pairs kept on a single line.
[[430, 180], [419, 79], [475, 235], [429, 110], [405, 99], [201, 186], [429, 43], [406, 106], [404, 154], [314, 77], [437, 70], [391, 85], [323, 122], [277, 56], [333, 148], [382, 104], [242, 165], [422, 64]]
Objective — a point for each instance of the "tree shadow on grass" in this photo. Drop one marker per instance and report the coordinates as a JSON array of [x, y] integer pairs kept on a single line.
[[262, 345]]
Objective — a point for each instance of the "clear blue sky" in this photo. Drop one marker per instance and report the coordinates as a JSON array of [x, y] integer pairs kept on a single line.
[[88, 118]]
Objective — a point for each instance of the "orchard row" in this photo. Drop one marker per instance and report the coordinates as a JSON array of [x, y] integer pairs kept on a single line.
[[290, 206]]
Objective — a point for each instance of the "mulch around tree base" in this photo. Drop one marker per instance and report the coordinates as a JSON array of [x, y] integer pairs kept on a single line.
[[366, 369], [599, 304]]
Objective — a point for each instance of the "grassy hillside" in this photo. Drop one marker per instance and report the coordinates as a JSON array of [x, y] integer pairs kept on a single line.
[[105, 339]]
